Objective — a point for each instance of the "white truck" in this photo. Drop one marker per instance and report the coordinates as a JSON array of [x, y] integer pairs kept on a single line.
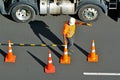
[[86, 10]]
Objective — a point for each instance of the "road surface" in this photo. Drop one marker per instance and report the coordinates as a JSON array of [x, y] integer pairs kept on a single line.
[[30, 61]]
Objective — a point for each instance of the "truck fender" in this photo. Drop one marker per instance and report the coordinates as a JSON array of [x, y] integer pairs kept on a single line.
[[2, 8], [18, 3], [100, 3]]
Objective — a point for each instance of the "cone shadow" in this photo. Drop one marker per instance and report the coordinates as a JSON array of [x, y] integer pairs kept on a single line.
[[38, 60], [82, 50], [3, 53], [55, 52]]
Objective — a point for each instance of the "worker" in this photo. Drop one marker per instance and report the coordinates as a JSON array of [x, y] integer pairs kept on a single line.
[[69, 29]]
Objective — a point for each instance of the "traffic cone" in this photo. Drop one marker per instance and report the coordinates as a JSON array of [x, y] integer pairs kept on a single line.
[[50, 68], [93, 57], [10, 57], [65, 58]]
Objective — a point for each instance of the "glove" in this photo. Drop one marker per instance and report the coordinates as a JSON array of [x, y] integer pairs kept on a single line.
[[88, 24]]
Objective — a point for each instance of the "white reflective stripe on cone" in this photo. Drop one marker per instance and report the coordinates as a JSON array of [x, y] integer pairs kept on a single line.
[[93, 44], [65, 46], [93, 50], [10, 50], [65, 52], [9, 45], [50, 61], [49, 54]]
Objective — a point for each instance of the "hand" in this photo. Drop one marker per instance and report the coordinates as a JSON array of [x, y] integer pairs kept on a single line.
[[88, 24]]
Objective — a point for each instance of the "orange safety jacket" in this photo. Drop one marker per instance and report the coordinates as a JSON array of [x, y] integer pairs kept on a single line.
[[69, 30]]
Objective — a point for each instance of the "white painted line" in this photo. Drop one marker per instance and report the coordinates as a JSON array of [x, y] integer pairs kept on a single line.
[[101, 74]]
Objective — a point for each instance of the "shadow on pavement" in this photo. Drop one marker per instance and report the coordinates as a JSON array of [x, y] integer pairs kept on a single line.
[[3, 53], [38, 60], [42, 29], [82, 50], [55, 52], [8, 17]]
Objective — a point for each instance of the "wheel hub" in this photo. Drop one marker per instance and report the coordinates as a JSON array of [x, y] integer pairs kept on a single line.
[[90, 13], [23, 14]]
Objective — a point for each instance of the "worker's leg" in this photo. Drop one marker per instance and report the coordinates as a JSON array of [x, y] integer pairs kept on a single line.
[[70, 44]]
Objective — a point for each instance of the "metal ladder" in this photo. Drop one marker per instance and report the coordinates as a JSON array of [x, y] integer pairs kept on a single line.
[[113, 4]]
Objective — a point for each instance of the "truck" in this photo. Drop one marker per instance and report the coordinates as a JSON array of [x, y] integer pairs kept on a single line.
[[86, 10]]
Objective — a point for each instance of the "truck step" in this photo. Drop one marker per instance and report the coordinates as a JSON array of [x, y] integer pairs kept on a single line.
[[113, 1], [113, 4]]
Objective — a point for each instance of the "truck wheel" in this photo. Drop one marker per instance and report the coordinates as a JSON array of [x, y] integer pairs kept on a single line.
[[89, 13], [22, 13]]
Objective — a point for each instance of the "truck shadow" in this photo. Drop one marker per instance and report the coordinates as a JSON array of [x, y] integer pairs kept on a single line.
[[3, 53], [8, 17], [41, 29]]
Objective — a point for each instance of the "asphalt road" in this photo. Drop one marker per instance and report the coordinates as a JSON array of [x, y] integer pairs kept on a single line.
[[30, 61]]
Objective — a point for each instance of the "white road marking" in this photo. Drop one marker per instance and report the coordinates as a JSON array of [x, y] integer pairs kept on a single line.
[[101, 74]]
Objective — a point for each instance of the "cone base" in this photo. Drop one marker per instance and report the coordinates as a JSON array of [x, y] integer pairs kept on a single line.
[[93, 59], [52, 70], [66, 60], [11, 59]]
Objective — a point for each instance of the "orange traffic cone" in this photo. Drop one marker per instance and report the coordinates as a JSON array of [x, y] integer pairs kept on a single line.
[[10, 57], [65, 58], [93, 57], [50, 68]]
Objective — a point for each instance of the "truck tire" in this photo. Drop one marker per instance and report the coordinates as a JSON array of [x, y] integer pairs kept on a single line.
[[22, 13], [89, 12]]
